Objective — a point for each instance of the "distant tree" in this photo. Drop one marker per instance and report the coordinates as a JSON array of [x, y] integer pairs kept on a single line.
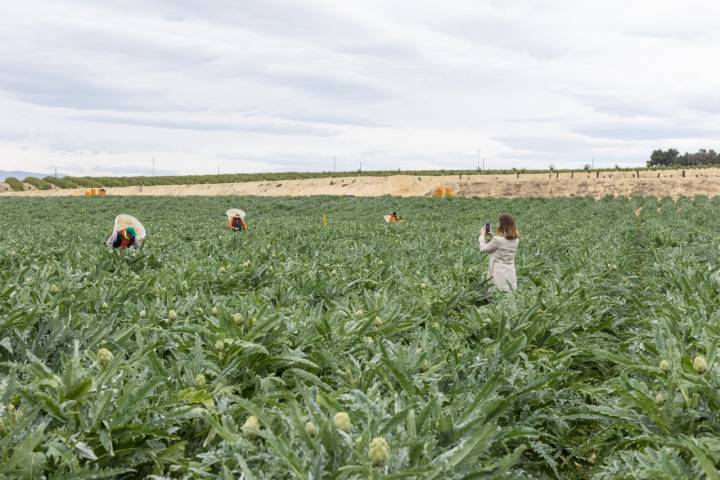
[[61, 182], [38, 183], [671, 157], [587, 167], [15, 184], [661, 158], [702, 157]]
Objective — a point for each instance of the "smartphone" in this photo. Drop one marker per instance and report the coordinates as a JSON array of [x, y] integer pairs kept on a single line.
[[487, 228]]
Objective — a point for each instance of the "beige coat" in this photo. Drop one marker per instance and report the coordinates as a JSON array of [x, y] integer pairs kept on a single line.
[[501, 265]]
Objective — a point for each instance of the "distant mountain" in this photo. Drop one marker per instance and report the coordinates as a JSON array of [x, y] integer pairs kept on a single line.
[[20, 175]]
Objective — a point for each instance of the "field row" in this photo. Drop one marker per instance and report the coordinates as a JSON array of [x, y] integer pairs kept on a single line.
[[215, 355], [64, 182]]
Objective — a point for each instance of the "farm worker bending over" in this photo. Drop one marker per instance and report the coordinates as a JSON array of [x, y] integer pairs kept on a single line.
[[236, 220], [127, 232], [125, 238], [392, 218], [502, 249], [238, 223]]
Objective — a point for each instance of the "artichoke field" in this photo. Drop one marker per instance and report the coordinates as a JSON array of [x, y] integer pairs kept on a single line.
[[353, 348]]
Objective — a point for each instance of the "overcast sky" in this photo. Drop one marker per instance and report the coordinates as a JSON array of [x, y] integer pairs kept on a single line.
[[92, 87]]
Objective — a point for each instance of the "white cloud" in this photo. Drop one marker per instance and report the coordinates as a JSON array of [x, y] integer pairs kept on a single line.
[[267, 85]]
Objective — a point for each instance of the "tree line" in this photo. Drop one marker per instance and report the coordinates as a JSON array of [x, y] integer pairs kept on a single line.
[[659, 158], [49, 182], [672, 158]]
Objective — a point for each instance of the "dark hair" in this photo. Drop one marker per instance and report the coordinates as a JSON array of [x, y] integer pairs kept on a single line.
[[507, 227]]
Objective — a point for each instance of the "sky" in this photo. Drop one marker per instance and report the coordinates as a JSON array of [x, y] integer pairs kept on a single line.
[[103, 88]]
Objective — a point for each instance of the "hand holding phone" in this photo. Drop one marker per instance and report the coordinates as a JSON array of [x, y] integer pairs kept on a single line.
[[487, 228]]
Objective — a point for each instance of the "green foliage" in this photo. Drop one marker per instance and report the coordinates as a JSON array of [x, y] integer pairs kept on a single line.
[[38, 183], [672, 158], [15, 184], [661, 158], [294, 321], [61, 182]]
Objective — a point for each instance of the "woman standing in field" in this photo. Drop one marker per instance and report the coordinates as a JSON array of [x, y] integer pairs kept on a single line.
[[502, 249]]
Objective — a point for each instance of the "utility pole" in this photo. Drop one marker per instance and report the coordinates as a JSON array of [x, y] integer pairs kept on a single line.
[[218, 170], [478, 152], [153, 167], [360, 165], [55, 172], [593, 163], [334, 164]]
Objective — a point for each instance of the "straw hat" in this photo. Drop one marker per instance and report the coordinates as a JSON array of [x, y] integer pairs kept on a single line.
[[123, 221], [387, 218], [235, 212]]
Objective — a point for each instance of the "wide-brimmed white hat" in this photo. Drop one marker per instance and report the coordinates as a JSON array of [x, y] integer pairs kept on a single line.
[[235, 212], [387, 218], [124, 220]]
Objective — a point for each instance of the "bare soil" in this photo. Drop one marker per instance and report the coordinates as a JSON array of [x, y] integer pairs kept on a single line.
[[668, 183]]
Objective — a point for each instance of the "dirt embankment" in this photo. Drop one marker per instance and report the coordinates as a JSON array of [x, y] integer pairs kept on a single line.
[[668, 183]]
